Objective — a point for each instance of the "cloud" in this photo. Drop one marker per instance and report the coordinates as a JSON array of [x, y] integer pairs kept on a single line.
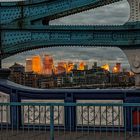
[[117, 13], [75, 54]]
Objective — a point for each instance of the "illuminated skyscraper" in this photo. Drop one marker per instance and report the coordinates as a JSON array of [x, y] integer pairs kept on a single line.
[[70, 67], [62, 64], [29, 65], [60, 70], [36, 64], [33, 64], [48, 65]]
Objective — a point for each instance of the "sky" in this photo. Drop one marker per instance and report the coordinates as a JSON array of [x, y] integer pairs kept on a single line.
[[117, 13]]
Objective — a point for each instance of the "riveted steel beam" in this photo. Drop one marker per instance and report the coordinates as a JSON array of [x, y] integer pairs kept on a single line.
[[23, 13], [15, 40], [26, 2]]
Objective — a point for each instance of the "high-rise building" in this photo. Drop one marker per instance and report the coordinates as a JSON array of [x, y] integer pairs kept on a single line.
[[70, 67], [63, 64], [94, 65], [17, 73], [62, 67], [36, 64], [31, 79], [48, 66], [86, 67], [60, 70], [29, 65], [75, 67]]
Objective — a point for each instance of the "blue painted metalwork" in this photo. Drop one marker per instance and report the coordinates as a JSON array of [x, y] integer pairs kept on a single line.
[[26, 12], [52, 122], [18, 36], [18, 40], [18, 93], [122, 130]]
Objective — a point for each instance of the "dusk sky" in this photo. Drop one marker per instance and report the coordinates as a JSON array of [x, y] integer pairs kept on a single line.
[[117, 13]]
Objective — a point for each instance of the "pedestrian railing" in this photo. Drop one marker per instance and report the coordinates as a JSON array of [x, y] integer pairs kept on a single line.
[[69, 121]]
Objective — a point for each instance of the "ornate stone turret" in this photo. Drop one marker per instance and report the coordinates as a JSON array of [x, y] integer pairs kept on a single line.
[[134, 10], [134, 61], [134, 55]]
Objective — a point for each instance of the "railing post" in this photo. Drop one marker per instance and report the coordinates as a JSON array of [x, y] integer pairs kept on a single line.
[[70, 113], [0, 48], [14, 109], [51, 122]]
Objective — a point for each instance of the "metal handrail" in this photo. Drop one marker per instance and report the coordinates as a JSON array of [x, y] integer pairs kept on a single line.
[[69, 104]]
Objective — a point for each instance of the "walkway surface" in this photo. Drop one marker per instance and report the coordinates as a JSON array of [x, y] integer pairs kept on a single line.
[[40, 135]]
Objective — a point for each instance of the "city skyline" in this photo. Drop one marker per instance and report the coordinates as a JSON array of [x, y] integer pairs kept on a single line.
[[46, 64], [88, 55]]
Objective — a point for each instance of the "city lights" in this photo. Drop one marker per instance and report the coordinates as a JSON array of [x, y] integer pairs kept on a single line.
[[46, 65]]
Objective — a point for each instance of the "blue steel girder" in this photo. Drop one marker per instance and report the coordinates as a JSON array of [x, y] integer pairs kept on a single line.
[[16, 40], [22, 13], [26, 2]]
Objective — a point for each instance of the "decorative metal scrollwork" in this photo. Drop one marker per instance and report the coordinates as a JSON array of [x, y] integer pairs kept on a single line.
[[41, 114], [99, 115]]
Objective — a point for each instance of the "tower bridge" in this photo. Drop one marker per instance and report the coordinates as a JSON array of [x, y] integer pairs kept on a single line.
[[23, 27]]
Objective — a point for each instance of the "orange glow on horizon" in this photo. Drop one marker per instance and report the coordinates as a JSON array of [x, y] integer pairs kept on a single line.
[[45, 66], [106, 67], [81, 66], [117, 68]]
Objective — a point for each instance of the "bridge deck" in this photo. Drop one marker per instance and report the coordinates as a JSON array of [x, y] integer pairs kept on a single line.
[[45, 135]]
